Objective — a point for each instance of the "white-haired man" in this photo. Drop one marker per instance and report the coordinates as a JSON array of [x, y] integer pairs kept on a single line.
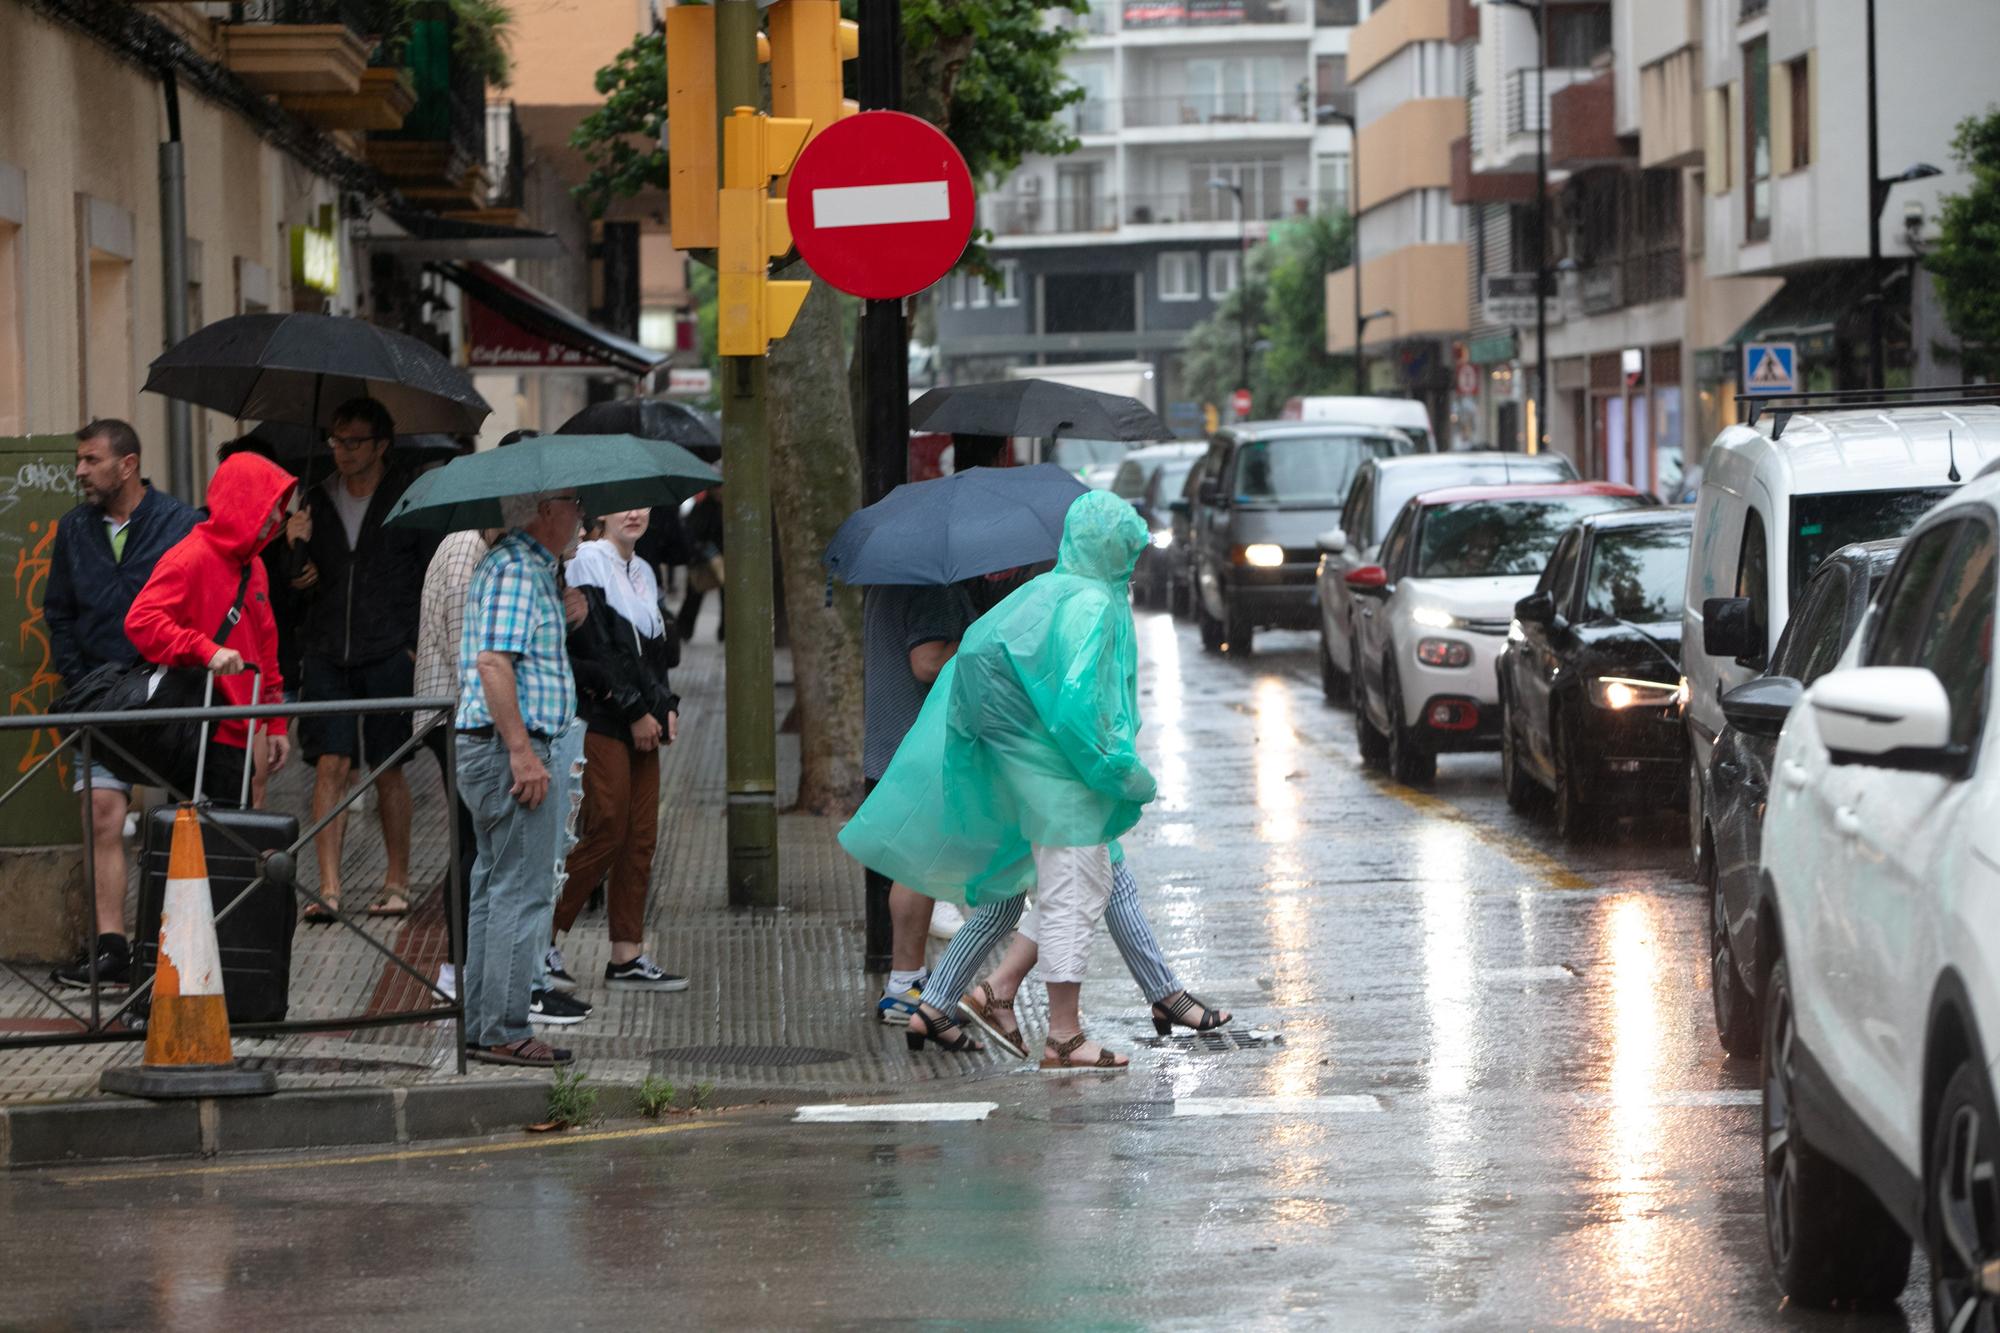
[[516, 700]]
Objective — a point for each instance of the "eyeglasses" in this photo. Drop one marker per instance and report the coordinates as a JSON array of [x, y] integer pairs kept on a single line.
[[351, 441]]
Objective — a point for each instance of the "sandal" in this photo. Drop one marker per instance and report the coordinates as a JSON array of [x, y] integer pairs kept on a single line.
[[1055, 1055], [936, 1029], [393, 903], [1179, 1008], [318, 915], [985, 1012], [528, 1051]]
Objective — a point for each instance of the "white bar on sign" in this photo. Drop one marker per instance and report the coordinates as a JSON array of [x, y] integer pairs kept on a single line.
[[881, 205], [1205, 1107], [841, 1113]]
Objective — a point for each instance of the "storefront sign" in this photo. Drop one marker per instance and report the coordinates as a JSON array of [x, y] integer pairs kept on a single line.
[[689, 382], [316, 256], [494, 342], [1508, 298]]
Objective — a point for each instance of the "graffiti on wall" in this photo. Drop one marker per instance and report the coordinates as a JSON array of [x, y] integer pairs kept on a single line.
[[31, 572]]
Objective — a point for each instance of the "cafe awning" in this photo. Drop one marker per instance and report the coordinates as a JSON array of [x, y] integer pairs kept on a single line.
[[512, 327], [413, 234]]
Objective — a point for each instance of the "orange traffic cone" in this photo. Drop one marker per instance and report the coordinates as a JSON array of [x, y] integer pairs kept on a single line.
[[187, 1037]]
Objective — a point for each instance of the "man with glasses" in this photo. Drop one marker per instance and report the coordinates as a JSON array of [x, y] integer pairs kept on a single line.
[[359, 588], [517, 704]]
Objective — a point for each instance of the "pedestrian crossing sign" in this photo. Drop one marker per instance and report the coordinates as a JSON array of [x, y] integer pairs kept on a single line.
[[1770, 368]]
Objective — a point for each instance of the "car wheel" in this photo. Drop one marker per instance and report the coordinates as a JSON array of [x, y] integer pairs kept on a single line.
[[1332, 680], [1407, 764], [1374, 745], [1830, 1240], [1962, 1203], [1574, 820], [1522, 790], [1211, 629], [1238, 633], [1735, 1015]]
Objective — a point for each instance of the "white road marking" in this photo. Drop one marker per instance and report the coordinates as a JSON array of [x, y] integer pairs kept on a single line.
[[881, 205], [899, 1113], [1229, 1106], [1548, 973], [1687, 1098]]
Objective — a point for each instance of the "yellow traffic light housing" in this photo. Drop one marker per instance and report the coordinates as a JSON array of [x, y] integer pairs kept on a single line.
[[691, 200], [810, 42], [751, 309]]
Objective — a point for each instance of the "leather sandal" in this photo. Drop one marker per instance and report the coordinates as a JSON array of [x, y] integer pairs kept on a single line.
[[985, 1012], [1180, 1009], [937, 1028], [1055, 1055]]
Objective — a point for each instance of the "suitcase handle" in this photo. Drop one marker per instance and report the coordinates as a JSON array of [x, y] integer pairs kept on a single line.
[[249, 742]]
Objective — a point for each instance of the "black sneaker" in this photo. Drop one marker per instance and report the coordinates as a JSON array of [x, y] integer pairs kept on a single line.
[[642, 973], [114, 967], [552, 1006]]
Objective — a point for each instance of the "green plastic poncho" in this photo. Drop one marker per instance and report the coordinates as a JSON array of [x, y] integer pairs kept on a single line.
[[1028, 736]]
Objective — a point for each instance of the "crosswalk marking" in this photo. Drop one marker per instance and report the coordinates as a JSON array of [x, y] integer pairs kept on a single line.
[[842, 1113], [1345, 1104]]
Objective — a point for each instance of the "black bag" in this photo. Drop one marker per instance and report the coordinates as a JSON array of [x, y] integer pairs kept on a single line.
[[167, 748]]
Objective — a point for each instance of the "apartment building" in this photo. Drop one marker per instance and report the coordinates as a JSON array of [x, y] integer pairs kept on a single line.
[[1203, 123]]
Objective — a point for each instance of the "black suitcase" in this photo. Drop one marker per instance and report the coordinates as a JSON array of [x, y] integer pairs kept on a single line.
[[255, 940]]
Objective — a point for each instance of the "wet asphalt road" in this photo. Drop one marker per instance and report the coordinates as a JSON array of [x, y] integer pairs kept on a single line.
[[1497, 1102]]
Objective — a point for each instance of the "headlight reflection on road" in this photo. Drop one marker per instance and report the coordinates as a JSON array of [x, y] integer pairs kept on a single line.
[[1163, 712], [1451, 1003], [1635, 1247]]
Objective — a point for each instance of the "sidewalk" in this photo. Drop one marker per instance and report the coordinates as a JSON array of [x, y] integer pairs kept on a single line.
[[777, 1001]]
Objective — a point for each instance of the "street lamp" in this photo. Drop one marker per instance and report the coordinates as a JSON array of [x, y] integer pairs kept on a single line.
[[1534, 12], [1242, 278], [1878, 199], [1353, 229]]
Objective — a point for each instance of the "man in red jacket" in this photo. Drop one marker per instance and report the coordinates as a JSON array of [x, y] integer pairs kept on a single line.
[[175, 616]]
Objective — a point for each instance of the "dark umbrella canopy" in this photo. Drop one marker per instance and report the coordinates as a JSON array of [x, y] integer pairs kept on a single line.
[[936, 532], [300, 367], [650, 419], [1036, 407], [609, 473]]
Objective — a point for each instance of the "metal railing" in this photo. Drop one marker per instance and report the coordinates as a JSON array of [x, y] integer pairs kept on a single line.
[[1031, 215], [1095, 115], [1526, 113], [1206, 206], [86, 732], [1140, 14], [359, 16], [1238, 108], [506, 158]]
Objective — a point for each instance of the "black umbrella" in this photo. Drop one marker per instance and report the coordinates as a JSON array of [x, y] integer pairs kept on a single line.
[[650, 419], [298, 449], [300, 367], [950, 528], [1036, 407]]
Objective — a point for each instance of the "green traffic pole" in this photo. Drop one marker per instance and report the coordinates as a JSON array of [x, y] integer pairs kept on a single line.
[[746, 525]]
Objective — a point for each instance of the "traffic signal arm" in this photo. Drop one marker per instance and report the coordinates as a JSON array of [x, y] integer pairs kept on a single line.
[[752, 310]]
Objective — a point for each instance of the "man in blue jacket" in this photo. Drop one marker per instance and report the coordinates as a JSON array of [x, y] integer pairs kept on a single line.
[[105, 550]]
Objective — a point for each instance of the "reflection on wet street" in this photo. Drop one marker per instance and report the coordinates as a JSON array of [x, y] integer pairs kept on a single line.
[[1494, 1100]]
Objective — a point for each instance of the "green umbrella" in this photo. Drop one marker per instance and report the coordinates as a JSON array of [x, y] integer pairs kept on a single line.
[[609, 473]]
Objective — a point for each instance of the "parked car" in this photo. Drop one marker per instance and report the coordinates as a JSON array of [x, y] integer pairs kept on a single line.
[[1404, 414], [1830, 609], [1180, 543], [1878, 954], [1432, 616], [1380, 490], [1149, 478], [1590, 679], [1269, 491], [1773, 504]]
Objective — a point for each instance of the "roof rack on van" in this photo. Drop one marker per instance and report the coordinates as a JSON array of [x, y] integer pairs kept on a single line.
[[1783, 406]]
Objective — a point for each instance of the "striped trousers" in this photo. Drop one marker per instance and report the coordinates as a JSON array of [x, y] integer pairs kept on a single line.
[[992, 923]]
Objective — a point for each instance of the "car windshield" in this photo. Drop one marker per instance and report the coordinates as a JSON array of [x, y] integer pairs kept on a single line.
[[1489, 538], [1076, 455], [1639, 573], [1174, 474], [1822, 524], [1397, 486], [1308, 471]]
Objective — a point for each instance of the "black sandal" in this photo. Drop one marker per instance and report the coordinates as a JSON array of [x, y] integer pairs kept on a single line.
[[937, 1028], [1178, 1008]]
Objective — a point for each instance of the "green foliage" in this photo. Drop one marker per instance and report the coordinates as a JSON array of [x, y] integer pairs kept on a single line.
[[703, 1094], [571, 1102], [656, 1097], [1285, 292], [634, 86], [1966, 260], [485, 38]]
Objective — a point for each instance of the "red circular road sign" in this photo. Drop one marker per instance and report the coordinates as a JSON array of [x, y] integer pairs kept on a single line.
[[880, 204], [1240, 401]]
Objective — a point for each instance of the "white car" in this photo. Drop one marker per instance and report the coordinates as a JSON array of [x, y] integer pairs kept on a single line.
[[1878, 927], [1431, 617], [1380, 490]]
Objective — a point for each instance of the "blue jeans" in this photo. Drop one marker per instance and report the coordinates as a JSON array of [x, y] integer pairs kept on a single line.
[[995, 921], [512, 888]]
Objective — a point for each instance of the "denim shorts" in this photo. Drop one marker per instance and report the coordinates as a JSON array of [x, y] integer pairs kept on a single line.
[[100, 776]]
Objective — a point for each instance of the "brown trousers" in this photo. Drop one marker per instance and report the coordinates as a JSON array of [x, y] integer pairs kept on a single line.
[[621, 825]]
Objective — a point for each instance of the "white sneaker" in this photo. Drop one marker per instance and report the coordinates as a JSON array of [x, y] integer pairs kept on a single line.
[[946, 920], [448, 979]]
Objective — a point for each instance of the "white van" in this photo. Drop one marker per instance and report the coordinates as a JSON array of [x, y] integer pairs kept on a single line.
[[1405, 414], [1778, 497]]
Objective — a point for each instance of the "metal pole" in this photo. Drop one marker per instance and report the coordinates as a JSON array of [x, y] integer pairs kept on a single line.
[[752, 781], [1541, 233], [1242, 291], [1878, 351], [1354, 244], [174, 276]]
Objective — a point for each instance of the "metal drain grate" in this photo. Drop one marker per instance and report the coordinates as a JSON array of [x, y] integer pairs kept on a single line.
[[1112, 1113], [1216, 1042], [759, 1056]]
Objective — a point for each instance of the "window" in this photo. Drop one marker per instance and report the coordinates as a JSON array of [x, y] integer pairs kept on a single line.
[[1822, 524], [1561, 572], [1578, 34], [1354, 514], [1225, 271], [1815, 634], [1180, 276], [1336, 13], [1800, 71], [1757, 140], [1493, 538], [1639, 574], [957, 282], [1938, 613], [1396, 546], [1753, 578], [980, 295], [1306, 469], [1334, 183], [1010, 283], [1261, 180], [1899, 621], [13, 370]]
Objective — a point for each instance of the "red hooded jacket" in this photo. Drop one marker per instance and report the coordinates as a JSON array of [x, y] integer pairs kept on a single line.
[[174, 618]]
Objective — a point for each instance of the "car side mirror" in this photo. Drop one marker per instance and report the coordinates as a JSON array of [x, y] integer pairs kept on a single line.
[[1368, 581], [1729, 630], [1178, 506], [1333, 541], [1887, 717], [1211, 492], [1759, 707], [1537, 608]]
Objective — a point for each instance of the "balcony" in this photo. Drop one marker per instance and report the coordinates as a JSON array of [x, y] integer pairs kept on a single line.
[[300, 47], [1099, 20], [1526, 114], [1209, 206], [1096, 115], [1032, 215], [1170, 15], [506, 171], [1241, 108], [1583, 126], [1486, 187], [438, 157]]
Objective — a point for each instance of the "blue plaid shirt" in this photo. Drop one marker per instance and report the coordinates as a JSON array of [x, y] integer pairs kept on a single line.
[[514, 607]]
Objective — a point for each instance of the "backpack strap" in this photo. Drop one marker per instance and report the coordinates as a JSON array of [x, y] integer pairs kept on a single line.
[[235, 608]]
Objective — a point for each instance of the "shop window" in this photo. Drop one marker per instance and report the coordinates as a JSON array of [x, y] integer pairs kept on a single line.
[[1757, 140]]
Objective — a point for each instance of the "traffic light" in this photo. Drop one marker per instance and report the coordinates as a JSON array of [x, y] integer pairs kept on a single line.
[[809, 43], [691, 203], [751, 309]]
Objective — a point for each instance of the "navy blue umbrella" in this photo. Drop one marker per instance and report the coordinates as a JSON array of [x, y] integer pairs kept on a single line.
[[975, 522]]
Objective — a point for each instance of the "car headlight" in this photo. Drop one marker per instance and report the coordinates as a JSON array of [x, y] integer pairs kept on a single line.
[[1264, 555], [1443, 652], [1163, 539], [1619, 693], [1431, 617]]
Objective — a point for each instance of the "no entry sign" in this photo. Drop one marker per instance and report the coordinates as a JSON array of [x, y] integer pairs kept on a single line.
[[880, 205]]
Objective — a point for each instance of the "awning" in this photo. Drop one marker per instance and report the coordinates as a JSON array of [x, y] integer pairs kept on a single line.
[[512, 327], [431, 237], [1807, 309]]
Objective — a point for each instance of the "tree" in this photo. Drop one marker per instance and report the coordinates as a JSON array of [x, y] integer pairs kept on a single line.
[[1284, 286], [1966, 260]]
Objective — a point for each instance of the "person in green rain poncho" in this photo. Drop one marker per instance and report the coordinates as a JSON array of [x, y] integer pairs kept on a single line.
[[1022, 768]]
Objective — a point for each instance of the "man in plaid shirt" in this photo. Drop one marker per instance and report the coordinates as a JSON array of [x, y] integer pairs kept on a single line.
[[516, 700]]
